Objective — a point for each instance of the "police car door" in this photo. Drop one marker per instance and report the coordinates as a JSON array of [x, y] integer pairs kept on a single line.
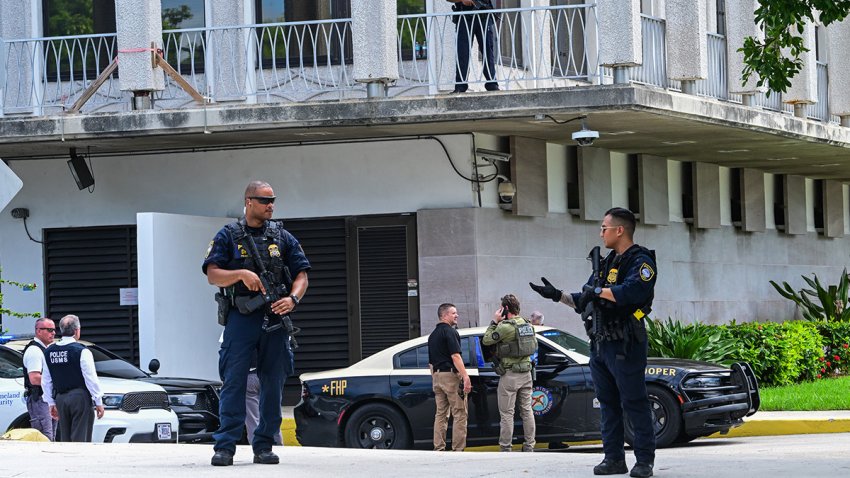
[[562, 396]]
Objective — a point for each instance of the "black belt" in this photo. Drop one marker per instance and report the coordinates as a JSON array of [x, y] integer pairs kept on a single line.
[[444, 369]]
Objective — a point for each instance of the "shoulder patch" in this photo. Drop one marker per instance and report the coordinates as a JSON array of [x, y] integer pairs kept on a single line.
[[646, 272], [209, 249], [495, 336]]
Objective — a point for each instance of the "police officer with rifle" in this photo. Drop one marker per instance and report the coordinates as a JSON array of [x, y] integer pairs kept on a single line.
[[614, 304], [253, 262]]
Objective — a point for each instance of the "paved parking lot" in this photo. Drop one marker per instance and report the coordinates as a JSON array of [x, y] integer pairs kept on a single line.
[[750, 457]]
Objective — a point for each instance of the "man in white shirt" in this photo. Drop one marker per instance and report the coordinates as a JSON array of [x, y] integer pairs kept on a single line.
[[38, 409], [70, 384]]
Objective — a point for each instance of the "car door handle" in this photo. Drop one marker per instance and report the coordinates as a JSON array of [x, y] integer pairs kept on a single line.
[[405, 383]]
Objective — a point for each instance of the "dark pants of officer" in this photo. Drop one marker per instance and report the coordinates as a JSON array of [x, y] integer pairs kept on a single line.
[[76, 415], [619, 380], [243, 335], [483, 27]]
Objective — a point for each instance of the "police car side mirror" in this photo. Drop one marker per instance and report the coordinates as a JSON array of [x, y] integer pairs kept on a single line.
[[554, 358], [153, 366]]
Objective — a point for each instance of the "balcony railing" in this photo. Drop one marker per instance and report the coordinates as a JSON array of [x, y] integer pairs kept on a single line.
[[653, 71], [535, 47]]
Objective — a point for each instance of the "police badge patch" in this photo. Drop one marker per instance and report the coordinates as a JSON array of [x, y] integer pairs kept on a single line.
[[273, 250], [612, 276], [646, 272], [209, 249], [242, 251]]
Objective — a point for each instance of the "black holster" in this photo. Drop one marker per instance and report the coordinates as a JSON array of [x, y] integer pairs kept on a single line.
[[224, 305]]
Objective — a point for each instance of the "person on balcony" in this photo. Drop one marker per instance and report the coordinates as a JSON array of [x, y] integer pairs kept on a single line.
[[483, 27]]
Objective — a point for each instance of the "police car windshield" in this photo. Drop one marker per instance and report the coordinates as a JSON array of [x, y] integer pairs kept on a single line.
[[567, 341], [108, 364]]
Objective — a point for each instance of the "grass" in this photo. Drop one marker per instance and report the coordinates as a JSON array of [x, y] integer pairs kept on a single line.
[[826, 394]]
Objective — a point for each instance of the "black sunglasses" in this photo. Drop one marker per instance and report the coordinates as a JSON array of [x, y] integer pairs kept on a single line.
[[263, 199], [47, 329]]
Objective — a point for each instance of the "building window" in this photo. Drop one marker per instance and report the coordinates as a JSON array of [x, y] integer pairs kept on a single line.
[[412, 32], [278, 11], [185, 51], [77, 17], [721, 17], [308, 44], [177, 14]]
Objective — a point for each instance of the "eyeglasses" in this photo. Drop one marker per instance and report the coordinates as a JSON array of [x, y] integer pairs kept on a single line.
[[263, 199], [53, 331], [603, 228]]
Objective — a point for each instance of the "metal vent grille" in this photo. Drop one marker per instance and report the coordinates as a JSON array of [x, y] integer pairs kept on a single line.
[[135, 401]]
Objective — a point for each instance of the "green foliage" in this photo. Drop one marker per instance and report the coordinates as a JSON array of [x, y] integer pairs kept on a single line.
[[694, 341], [836, 357], [782, 23], [832, 299], [780, 353], [20, 285]]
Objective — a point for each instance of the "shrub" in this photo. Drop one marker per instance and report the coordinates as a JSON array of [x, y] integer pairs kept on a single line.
[[836, 349], [694, 341], [780, 353], [832, 299]]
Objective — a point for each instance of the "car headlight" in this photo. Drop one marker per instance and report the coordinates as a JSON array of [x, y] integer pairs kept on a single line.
[[702, 381], [112, 401], [183, 399]]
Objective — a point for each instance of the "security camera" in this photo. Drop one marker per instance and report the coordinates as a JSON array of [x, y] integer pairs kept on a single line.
[[507, 191], [585, 137]]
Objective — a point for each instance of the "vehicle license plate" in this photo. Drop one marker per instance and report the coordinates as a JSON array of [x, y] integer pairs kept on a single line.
[[163, 431]]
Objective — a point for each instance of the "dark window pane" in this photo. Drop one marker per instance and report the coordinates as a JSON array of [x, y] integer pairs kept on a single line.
[[182, 14], [407, 359], [422, 356], [77, 17]]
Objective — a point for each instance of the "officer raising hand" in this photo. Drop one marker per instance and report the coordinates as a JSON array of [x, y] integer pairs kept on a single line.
[[618, 341]]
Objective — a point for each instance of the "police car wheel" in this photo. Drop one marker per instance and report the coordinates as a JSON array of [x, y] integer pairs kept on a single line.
[[377, 426], [666, 417]]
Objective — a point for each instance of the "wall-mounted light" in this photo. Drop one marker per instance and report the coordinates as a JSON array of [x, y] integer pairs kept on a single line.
[[80, 170]]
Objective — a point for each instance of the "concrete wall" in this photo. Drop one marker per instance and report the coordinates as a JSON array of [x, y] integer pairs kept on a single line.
[[311, 181]]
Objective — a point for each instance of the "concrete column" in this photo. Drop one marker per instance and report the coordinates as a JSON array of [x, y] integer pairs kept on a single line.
[[653, 190], [373, 28], [706, 195], [619, 33], [687, 44], [528, 173], [442, 50], [740, 24], [839, 81], [833, 209], [594, 182], [138, 25], [752, 200], [19, 19], [795, 204], [804, 86], [227, 57]]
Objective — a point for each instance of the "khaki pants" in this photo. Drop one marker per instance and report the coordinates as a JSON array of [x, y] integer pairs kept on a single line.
[[446, 386], [515, 387]]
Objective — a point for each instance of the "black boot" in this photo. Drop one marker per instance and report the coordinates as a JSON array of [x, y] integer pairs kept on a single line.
[[222, 458], [641, 470], [266, 458], [611, 467]]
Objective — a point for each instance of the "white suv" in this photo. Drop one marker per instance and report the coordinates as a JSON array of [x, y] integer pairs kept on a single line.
[[136, 412]]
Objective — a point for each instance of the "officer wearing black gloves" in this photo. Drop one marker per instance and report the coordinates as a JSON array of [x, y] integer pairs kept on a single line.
[[619, 346], [231, 265]]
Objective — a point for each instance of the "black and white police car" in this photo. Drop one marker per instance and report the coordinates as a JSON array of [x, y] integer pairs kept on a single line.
[[195, 401], [386, 400]]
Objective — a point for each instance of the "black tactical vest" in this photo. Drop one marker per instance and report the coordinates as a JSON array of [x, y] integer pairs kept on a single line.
[[614, 319], [32, 390], [64, 364], [269, 246]]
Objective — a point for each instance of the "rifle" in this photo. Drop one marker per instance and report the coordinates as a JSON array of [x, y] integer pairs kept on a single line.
[[590, 314], [274, 292]]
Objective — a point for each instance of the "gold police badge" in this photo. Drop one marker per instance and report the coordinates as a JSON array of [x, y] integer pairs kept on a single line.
[[273, 250], [612, 276], [242, 251]]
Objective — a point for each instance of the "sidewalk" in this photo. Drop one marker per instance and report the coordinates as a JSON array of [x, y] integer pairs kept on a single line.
[[760, 424]]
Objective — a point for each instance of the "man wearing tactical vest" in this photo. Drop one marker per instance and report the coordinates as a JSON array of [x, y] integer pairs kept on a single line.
[[618, 342], [242, 257], [38, 409], [512, 341]]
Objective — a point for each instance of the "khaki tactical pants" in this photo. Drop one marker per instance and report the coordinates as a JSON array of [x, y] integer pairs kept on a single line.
[[515, 387], [446, 386]]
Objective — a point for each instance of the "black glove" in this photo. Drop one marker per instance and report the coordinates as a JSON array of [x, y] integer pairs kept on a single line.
[[547, 290], [588, 295]]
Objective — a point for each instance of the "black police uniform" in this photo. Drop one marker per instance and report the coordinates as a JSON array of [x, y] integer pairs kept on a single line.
[[482, 26], [244, 336], [73, 400], [618, 355]]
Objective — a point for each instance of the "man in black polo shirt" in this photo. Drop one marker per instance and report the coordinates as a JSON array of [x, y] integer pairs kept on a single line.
[[447, 372], [70, 384]]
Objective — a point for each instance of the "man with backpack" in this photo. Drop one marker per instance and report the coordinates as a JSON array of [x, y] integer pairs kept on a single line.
[[512, 342]]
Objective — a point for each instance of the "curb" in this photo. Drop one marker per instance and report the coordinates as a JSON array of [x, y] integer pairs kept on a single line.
[[751, 428]]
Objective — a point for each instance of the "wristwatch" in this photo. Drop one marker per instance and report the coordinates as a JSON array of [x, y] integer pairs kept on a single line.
[[295, 299]]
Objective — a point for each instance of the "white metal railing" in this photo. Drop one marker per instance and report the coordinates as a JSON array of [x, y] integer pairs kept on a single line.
[[653, 71], [820, 110], [715, 84], [535, 47]]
